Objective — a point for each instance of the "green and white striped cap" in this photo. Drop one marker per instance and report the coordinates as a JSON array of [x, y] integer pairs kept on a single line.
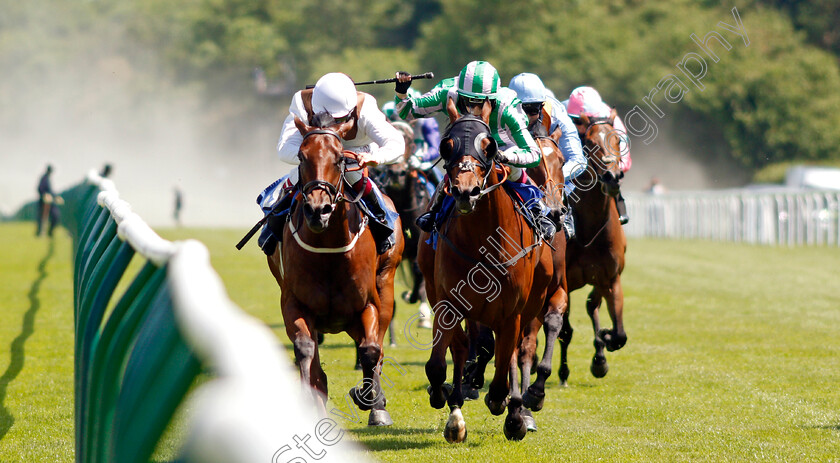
[[479, 79]]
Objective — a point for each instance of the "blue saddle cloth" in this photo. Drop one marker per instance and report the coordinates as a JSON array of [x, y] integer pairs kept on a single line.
[[526, 195]]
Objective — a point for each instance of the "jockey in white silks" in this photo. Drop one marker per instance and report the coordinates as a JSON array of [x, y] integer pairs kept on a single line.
[[587, 100], [535, 98], [373, 139]]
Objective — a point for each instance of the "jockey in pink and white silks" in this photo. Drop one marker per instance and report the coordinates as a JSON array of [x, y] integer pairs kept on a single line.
[[375, 141], [478, 82], [587, 100]]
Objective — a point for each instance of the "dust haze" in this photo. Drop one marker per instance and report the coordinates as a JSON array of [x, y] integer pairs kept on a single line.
[[100, 106]]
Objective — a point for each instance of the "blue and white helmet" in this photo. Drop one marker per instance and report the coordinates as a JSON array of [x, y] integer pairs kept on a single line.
[[529, 88]]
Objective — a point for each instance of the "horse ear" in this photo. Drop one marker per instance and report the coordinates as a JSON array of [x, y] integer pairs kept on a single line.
[[546, 120], [302, 128], [486, 109], [557, 135], [612, 116], [346, 126], [451, 110]]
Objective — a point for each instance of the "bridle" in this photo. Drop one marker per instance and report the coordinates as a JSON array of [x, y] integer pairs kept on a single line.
[[607, 158], [334, 192]]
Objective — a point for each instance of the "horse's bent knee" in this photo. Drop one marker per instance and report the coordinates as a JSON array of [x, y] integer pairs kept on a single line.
[[304, 348]]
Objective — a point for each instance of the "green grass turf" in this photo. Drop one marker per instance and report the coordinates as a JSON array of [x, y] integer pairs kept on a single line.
[[732, 356]]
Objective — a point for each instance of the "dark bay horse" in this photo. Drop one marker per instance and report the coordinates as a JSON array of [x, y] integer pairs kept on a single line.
[[596, 256], [488, 266], [331, 278], [548, 175], [405, 186]]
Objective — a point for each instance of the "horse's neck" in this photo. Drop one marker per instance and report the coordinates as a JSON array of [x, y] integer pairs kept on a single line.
[[494, 211]]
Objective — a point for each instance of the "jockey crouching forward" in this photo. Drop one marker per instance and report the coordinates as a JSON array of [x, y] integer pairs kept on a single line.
[[426, 141], [587, 100], [372, 138], [477, 82], [537, 103]]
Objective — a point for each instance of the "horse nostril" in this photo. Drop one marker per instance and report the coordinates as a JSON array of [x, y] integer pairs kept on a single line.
[[327, 209], [307, 209], [475, 192]]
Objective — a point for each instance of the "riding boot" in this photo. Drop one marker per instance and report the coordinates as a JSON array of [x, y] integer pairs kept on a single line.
[[546, 225], [569, 223], [382, 227], [272, 231], [623, 218], [426, 221]]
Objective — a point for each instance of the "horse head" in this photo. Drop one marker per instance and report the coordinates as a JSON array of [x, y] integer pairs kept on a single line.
[[468, 147], [602, 148], [322, 168]]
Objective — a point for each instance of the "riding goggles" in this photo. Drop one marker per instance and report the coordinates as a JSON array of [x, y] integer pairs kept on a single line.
[[532, 109]]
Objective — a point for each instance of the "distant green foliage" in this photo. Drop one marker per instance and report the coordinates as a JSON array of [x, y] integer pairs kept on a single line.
[[772, 101]]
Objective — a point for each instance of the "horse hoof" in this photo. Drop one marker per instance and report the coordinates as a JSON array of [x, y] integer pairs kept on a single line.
[[533, 399], [425, 323], [515, 428], [393, 344], [406, 296], [599, 367], [380, 418], [437, 399], [455, 431], [359, 401], [496, 408], [564, 374], [530, 422], [358, 367], [469, 393]]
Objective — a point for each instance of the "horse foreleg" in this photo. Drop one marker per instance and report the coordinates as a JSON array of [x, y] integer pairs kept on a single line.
[[436, 366], [599, 365], [515, 426], [370, 396], [456, 427], [616, 337], [303, 337], [534, 396], [482, 347], [566, 332], [507, 338]]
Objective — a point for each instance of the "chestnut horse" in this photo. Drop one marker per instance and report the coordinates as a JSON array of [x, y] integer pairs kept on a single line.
[[596, 256], [331, 278], [486, 245]]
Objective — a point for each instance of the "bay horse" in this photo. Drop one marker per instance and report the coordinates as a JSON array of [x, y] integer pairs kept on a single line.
[[487, 245], [596, 256], [405, 186], [330, 275]]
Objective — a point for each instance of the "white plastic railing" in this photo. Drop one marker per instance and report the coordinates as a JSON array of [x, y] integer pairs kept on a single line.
[[774, 217]]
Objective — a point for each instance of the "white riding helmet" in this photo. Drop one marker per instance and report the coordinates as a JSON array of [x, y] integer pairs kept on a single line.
[[334, 93], [529, 88]]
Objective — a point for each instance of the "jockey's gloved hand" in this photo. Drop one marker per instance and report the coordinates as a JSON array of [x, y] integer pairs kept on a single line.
[[502, 158], [402, 87], [414, 162]]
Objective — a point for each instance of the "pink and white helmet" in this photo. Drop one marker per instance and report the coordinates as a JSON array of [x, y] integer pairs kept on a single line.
[[587, 100]]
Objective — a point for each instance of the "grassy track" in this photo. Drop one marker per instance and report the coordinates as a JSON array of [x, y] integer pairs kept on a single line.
[[732, 356]]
